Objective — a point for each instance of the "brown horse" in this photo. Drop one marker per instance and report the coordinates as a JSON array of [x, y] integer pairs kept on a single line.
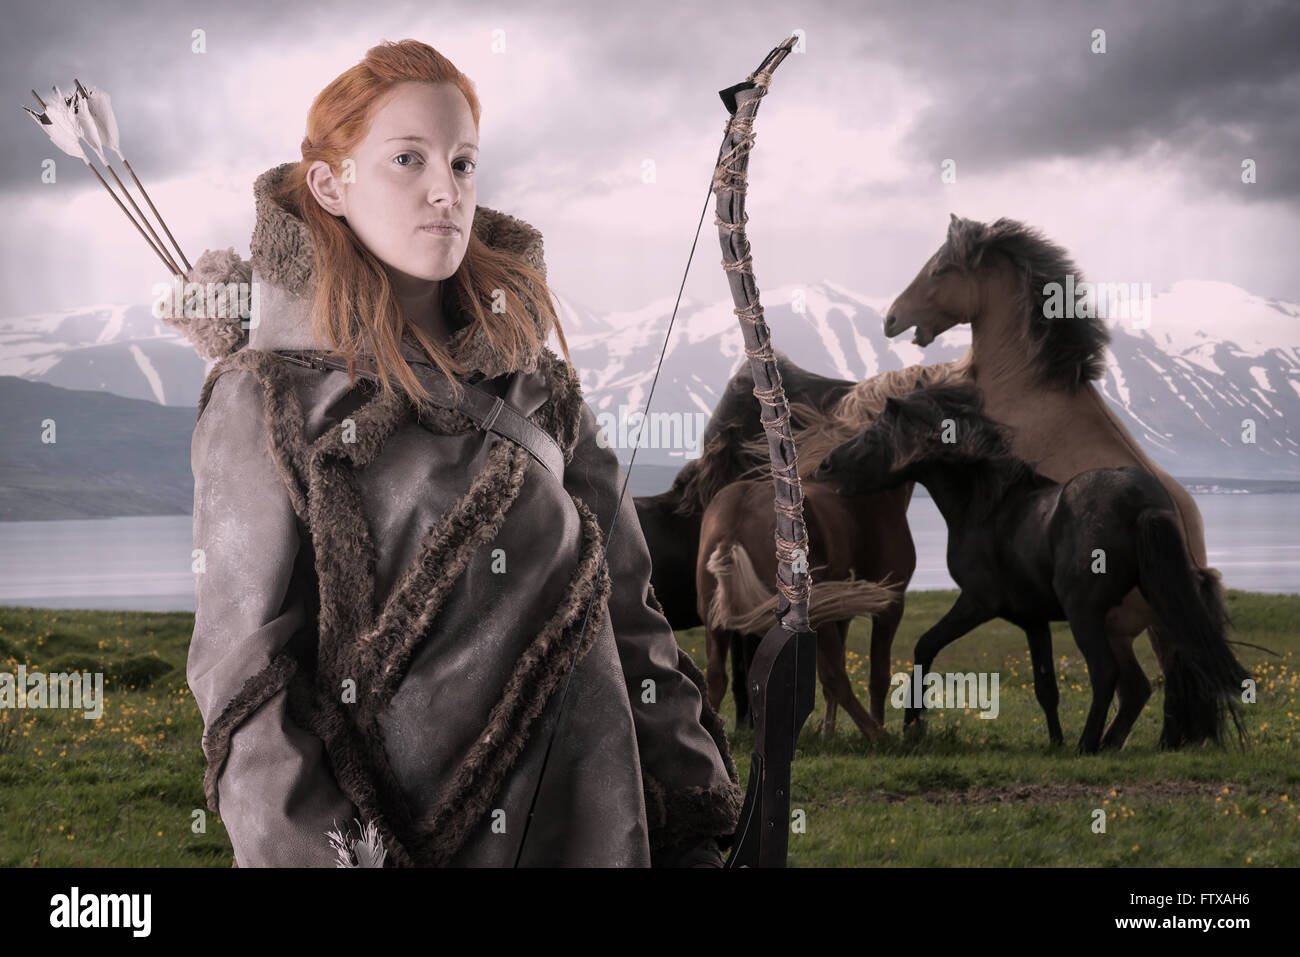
[[670, 520], [840, 415], [854, 543], [1036, 372]]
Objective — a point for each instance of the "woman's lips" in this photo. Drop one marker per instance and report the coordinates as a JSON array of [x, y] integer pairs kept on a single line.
[[440, 230]]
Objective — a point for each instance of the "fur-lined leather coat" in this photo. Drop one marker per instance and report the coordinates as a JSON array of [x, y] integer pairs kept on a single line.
[[389, 604]]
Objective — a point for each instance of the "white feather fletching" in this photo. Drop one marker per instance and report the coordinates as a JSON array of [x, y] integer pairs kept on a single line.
[[101, 111], [60, 124], [86, 126]]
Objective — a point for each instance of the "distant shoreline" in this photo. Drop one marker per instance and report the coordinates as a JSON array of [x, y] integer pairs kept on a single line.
[[109, 503], [1200, 485]]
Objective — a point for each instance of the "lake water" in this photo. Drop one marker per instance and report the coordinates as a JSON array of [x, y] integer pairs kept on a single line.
[[143, 563]]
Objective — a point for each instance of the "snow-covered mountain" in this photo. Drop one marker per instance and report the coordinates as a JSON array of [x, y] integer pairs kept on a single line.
[[1212, 356], [125, 350], [1214, 363]]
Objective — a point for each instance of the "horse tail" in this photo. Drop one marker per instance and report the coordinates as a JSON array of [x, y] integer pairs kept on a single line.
[[743, 603], [740, 591], [1204, 678], [842, 600]]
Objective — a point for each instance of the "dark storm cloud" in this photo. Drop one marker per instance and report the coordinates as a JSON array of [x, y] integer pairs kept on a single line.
[[1208, 83], [141, 53]]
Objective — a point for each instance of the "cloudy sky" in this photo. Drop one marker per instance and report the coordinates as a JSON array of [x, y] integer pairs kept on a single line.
[[1131, 158]]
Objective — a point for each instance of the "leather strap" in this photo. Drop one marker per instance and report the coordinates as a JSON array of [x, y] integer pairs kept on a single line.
[[489, 412]]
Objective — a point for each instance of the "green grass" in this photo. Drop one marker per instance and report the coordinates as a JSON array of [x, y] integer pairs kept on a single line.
[[977, 792], [123, 790]]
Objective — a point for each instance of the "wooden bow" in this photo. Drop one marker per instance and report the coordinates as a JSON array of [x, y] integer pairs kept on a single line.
[[782, 675]]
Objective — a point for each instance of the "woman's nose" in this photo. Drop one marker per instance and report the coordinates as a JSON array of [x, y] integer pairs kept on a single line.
[[444, 186]]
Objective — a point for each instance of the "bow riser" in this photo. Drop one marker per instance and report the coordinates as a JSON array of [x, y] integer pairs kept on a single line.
[[782, 671]]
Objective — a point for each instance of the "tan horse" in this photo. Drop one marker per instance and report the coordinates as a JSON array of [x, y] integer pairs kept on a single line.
[[1036, 372]]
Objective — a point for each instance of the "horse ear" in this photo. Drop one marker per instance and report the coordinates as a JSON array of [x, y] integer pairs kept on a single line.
[[955, 243]]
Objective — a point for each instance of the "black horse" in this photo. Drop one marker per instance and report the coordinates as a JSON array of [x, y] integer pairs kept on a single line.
[[1031, 550]]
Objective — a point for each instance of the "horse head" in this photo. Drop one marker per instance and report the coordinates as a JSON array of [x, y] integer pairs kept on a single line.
[[946, 291], [1004, 278], [934, 423], [868, 462]]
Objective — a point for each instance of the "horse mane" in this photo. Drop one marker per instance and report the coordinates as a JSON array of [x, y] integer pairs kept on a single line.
[[728, 455], [854, 411], [911, 423], [1064, 352]]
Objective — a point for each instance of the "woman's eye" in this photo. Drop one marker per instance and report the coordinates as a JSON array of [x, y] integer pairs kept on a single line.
[[400, 155], [472, 164]]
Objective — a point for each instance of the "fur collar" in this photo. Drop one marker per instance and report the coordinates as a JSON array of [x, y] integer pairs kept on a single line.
[[283, 264]]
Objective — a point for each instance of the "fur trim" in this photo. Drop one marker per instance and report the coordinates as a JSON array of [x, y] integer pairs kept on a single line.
[[561, 414], [652, 599], [256, 691], [690, 813], [217, 331]]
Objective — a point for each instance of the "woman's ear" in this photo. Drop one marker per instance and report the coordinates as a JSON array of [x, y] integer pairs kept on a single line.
[[326, 188]]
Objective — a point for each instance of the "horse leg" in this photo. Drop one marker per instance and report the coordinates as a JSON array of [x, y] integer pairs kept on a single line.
[[883, 628], [1134, 688], [833, 636], [1103, 673], [1135, 607], [1040, 654], [1160, 644], [828, 722], [964, 616], [742, 654], [826, 655], [716, 645]]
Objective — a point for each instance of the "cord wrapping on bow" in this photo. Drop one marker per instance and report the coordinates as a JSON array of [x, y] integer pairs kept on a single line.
[[731, 184]]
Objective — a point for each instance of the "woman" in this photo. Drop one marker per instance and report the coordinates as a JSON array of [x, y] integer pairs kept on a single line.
[[390, 598]]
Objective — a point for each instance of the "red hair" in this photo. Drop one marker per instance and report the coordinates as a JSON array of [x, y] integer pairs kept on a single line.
[[353, 306]]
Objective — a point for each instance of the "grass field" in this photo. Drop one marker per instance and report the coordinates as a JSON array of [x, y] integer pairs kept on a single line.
[[124, 790]]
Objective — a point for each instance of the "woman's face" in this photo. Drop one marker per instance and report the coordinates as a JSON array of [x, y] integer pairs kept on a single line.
[[414, 168]]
